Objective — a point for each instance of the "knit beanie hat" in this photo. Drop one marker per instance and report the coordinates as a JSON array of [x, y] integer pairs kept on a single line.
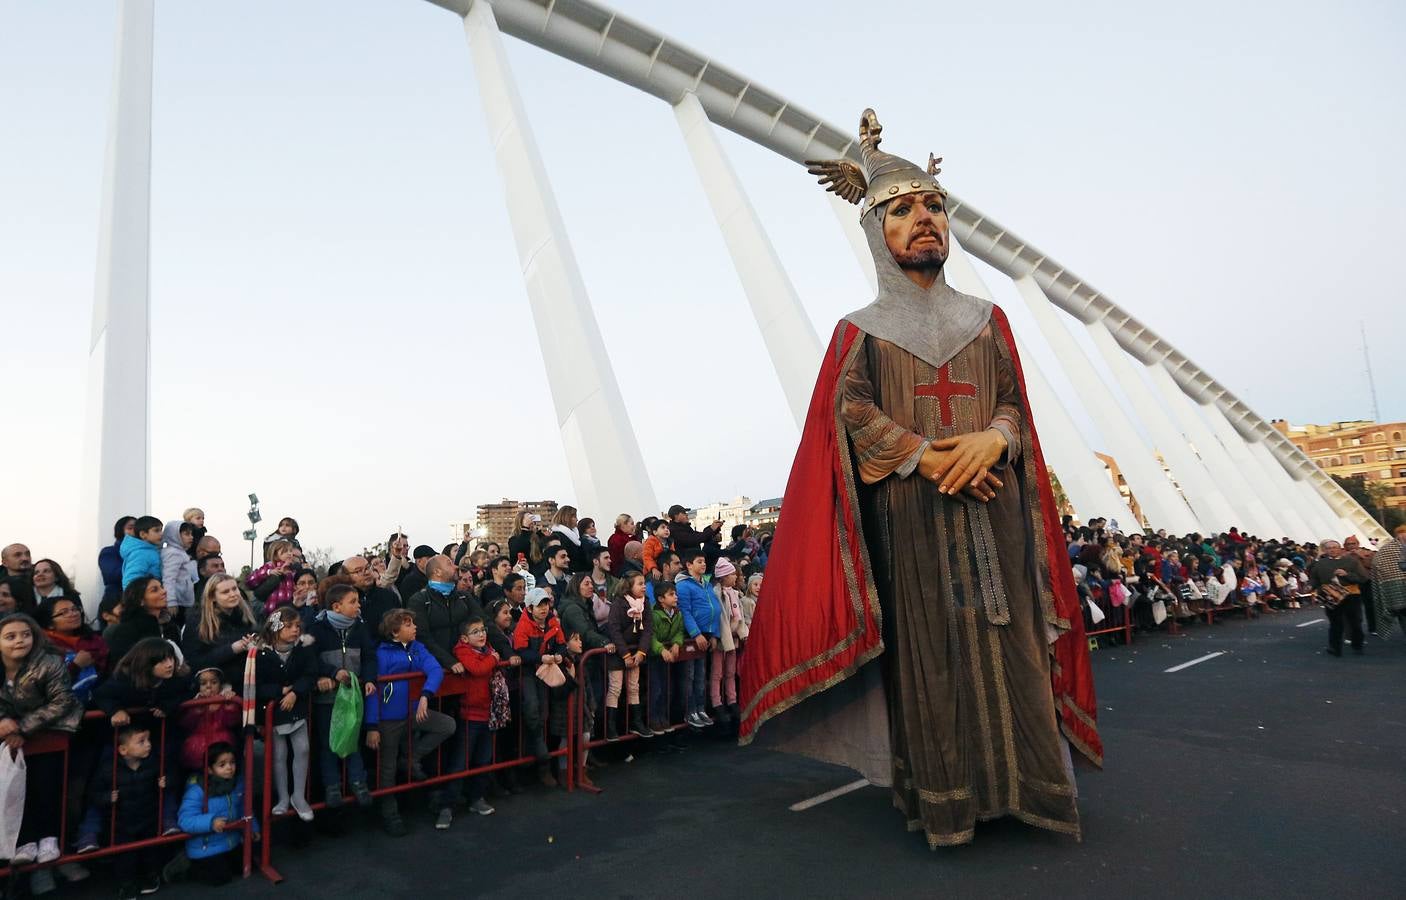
[[724, 568]]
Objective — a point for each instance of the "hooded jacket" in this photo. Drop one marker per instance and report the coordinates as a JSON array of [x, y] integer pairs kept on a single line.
[[531, 640], [667, 631], [178, 573], [391, 703], [206, 724], [702, 612], [197, 818], [479, 666], [139, 559], [281, 594]]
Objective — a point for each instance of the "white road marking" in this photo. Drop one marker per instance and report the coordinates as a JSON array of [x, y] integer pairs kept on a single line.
[[1187, 665], [829, 795], [1310, 622]]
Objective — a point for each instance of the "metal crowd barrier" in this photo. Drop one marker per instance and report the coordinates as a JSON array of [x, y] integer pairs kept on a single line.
[[61, 742], [598, 739], [452, 686]]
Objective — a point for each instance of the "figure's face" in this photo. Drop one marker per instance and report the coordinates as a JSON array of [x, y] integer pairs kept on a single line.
[[915, 230]]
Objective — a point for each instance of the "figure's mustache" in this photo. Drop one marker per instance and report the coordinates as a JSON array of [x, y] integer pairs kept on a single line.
[[924, 233]]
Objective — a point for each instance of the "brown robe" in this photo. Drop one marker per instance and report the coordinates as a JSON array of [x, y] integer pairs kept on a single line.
[[972, 725]]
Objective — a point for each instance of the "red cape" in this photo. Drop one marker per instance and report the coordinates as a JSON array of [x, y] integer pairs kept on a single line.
[[817, 618]]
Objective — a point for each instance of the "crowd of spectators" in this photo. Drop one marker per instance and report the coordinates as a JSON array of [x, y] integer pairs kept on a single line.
[[453, 658], [1158, 581]]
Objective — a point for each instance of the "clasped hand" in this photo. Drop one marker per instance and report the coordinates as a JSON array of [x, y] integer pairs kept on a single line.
[[963, 464]]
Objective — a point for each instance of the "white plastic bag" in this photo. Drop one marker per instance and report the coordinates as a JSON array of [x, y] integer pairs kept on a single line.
[[1095, 614], [12, 776], [1159, 611]]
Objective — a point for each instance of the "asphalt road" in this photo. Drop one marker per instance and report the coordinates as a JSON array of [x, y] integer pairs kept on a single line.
[[1272, 770]]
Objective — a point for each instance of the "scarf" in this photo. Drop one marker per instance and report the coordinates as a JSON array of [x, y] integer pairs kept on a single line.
[[442, 587], [247, 694], [568, 532], [336, 619], [218, 787]]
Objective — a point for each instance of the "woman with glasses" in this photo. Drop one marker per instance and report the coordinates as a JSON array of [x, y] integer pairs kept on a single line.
[[84, 650]]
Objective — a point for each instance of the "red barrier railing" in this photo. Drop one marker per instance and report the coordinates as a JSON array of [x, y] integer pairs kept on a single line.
[[452, 686], [60, 742], [1105, 604], [690, 653]]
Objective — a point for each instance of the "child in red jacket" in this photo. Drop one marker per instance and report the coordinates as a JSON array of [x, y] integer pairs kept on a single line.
[[206, 724], [480, 662]]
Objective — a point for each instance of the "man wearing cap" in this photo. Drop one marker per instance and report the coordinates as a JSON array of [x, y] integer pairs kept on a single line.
[[683, 536], [920, 527], [414, 578]]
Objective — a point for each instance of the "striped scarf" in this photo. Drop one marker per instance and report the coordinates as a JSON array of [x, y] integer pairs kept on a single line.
[[250, 666]]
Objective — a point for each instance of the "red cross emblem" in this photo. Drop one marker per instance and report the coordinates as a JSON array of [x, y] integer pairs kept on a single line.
[[943, 390]]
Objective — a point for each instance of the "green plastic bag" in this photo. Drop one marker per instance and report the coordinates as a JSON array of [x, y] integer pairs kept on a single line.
[[345, 734]]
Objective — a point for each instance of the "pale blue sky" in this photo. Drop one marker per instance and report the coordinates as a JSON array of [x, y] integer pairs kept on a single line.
[[334, 286]]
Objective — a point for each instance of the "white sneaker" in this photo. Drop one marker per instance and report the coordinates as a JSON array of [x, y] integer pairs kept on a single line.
[[301, 807], [49, 850], [705, 718], [25, 854], [280, 808]]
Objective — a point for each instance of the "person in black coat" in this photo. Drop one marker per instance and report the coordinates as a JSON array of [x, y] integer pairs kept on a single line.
[[143, 605], [284, 672], [220, 636], [376, 601]]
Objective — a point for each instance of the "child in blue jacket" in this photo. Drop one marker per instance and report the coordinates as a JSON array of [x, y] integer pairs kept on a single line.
[[211, 813], [141, 551], [702, 620], [388, 714]]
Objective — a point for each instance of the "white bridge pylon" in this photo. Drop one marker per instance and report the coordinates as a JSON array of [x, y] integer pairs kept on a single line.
[[1279, 485]]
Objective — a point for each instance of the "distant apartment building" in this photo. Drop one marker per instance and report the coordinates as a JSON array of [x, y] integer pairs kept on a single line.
[[495, 520], [1374, 450]]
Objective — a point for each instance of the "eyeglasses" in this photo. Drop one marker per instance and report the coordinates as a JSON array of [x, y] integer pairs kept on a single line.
[[478, 631], [67, 611]]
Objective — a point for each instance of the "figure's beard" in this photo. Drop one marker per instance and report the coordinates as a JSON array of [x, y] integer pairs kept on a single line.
[[926, 259]]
